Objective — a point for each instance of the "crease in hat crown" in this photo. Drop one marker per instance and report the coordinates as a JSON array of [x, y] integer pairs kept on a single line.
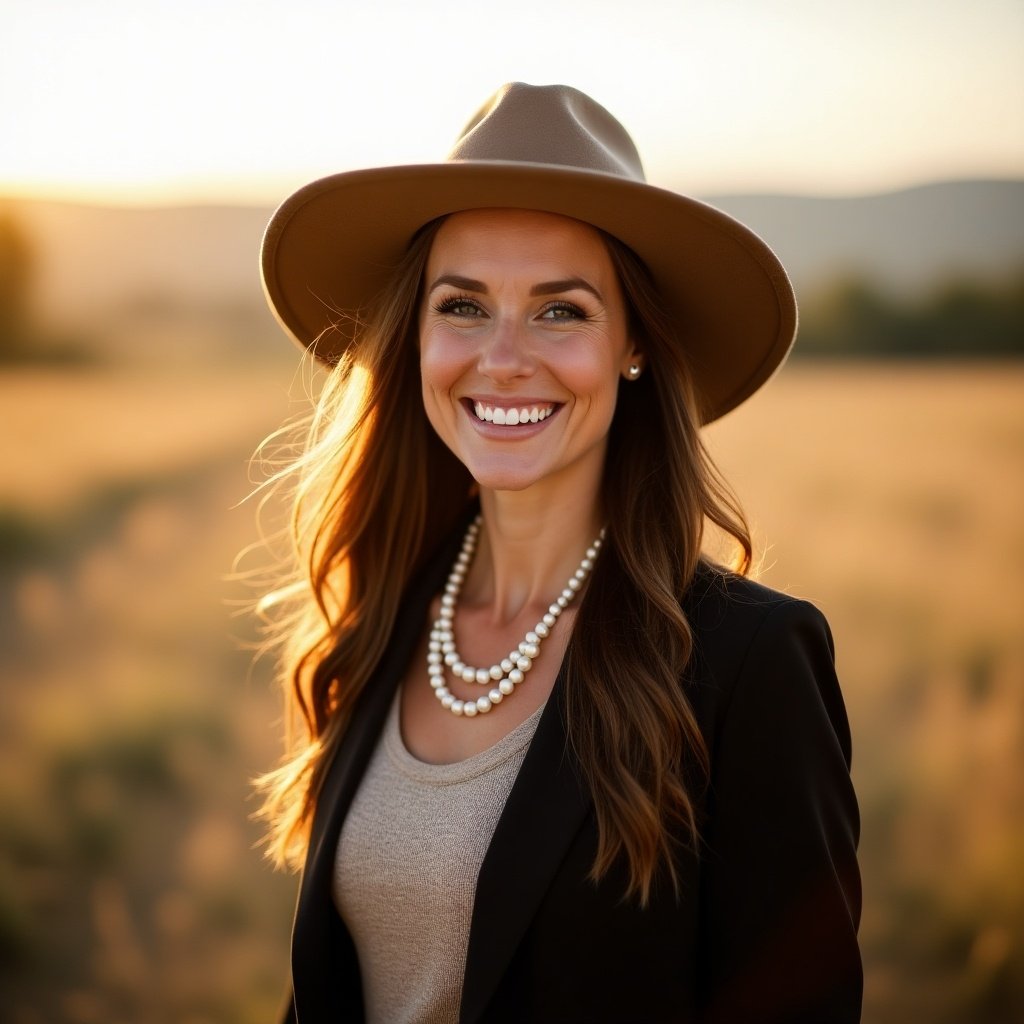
[[332, 246], [549, 124]]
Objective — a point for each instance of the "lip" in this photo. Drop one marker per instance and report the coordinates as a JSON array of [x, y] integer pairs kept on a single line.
[[506, 432]]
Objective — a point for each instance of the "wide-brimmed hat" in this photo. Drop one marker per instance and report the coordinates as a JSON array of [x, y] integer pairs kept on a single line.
[[331, 247]]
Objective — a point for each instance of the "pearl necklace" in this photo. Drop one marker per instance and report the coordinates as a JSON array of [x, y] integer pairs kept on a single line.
[[507, 674]]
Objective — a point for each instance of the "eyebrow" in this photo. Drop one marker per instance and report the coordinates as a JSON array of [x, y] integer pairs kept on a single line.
[[567, 285], [470, 284]]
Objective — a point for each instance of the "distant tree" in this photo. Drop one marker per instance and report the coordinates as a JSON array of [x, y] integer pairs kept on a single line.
[[17, 263], [962, 319]]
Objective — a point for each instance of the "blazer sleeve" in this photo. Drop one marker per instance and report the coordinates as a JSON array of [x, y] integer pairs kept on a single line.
[[781, 888]]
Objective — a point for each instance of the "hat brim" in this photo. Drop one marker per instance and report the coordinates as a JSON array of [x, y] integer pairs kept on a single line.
[[331, 247]]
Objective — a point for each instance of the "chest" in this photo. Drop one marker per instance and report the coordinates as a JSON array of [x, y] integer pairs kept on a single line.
[[433, 734]]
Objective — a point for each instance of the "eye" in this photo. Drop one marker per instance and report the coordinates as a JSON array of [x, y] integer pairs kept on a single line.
[[562, 310], [459, 305]]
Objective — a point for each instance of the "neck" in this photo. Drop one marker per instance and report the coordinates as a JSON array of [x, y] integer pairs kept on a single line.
[[529, 546]]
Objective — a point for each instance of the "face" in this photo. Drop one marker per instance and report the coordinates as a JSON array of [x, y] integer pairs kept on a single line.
[[523, 341]]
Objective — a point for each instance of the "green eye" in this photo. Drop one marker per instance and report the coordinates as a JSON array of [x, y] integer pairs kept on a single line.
[[563, 311], [458, 305]]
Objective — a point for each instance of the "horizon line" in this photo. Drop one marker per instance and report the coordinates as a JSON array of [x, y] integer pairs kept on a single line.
[[162, 199]]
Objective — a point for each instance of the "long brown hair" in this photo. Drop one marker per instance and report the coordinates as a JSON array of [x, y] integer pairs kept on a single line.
[[362, 523]]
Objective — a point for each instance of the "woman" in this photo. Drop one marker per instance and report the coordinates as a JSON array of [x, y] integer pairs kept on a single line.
[[643, 811]]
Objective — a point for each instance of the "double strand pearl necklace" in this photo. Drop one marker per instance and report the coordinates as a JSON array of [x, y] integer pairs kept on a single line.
[[504, 676]]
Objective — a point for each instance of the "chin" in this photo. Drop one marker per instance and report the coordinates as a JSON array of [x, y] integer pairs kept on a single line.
[[504, 481], [504, 475]]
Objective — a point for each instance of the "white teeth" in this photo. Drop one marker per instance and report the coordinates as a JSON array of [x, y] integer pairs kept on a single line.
[[511, 417]]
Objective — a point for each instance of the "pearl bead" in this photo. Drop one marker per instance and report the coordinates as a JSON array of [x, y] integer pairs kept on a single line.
[[541, 630], [506, 686], [447, 701], [483, 705], [496, 696], [531, 638], [497, 672], [468, 675], [457, 707], [516, 676], [483, 676], [506, 666], [469, 709], [549, 620], [524, 664]]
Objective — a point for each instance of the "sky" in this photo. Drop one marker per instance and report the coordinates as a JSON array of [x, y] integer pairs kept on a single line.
[[150, 101]]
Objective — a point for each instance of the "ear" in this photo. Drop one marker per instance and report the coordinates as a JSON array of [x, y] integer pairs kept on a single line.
[[632, 364]]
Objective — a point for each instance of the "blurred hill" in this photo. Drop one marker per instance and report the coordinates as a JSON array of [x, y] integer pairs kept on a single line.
[[902, 243], [196, 266]]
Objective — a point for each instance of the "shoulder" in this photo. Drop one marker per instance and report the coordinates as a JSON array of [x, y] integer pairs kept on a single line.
[[727, 612], [768, 649]]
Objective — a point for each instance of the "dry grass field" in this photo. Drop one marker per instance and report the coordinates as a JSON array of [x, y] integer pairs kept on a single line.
[[892, 495]]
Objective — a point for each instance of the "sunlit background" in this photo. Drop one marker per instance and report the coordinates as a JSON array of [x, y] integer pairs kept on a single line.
[[878, 146], [123, 101]]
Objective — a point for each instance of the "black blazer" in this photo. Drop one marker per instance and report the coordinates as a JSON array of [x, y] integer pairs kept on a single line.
[[765, 929]]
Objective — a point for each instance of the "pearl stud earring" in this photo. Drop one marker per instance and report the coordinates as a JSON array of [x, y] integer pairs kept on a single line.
[[633, 371]]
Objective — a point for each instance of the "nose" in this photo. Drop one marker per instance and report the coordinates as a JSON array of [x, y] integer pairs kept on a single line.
[[504, 353]]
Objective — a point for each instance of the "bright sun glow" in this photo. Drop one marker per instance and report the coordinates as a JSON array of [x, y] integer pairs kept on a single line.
[[114, 100]]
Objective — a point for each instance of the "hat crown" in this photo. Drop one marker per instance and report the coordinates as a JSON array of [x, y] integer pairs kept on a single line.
[[549, 124]]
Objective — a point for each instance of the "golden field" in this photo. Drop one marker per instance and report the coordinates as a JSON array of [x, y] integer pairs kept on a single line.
[[131, 891]]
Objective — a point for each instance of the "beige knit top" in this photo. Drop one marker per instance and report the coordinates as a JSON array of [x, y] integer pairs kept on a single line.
[[406, 869]]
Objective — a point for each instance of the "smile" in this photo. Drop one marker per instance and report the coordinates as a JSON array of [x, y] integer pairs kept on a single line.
[[514, 416]]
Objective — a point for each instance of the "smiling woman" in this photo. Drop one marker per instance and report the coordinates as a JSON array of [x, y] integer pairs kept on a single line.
[[643, 810]]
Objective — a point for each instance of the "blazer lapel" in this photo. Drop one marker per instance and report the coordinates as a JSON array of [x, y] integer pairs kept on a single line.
[[544, 811]]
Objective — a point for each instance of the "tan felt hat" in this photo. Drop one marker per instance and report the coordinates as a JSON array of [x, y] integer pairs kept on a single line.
[[331, 246]]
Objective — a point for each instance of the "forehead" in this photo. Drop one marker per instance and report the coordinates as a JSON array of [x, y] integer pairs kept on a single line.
[[529, 237]]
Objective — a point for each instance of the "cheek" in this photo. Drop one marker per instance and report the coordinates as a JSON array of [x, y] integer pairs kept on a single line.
[[439, 370], [440, 364], [593, 376]]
